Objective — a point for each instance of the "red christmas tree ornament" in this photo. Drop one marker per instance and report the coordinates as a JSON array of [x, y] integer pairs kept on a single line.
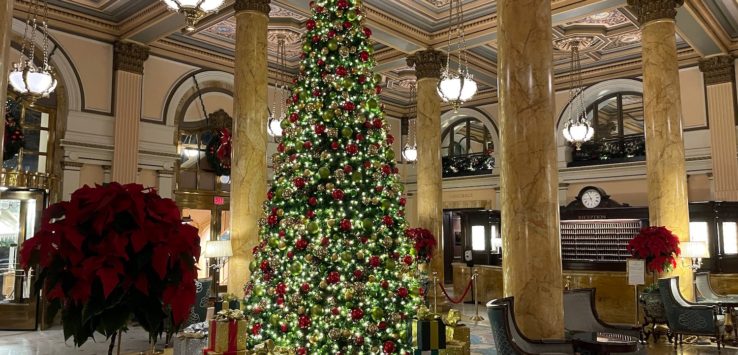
[[299, 182], [334, 277], [310, 24], [352, 149], [375, 261], [389, 347], [367, 32], [357, 314], [345, 225], [402, 292], [364, 56], [337, 194]]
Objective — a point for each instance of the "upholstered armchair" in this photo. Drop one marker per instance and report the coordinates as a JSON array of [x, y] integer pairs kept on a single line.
[[508, 338], [689, 318], [708, 295], [580, 313]]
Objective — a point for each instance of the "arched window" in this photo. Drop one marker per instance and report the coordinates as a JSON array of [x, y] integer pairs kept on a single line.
[[619, 131], [467, 148]]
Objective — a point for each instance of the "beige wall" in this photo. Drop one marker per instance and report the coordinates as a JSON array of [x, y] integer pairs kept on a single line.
[[160, 76], [94, 63], [90, 175]]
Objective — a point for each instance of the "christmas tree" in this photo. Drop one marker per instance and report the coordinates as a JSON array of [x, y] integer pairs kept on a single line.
[[333, 272]]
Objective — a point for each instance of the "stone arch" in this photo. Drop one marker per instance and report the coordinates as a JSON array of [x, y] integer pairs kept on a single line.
[[450, 117], [184, 92]]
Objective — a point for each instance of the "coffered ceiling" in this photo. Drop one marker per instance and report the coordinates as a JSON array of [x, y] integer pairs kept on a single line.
[[606, 28]]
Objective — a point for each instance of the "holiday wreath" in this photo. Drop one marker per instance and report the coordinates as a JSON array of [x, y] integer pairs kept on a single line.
[[218, 152], [13, 141]]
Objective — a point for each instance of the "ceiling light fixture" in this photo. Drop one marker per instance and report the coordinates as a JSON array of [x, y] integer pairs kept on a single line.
[[193, 10], [31, 81], [456, 86], [577, 129], [275, 118]]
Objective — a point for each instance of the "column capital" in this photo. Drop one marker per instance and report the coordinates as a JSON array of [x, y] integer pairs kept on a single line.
[[252, 5], [129, 56], [427, 63], [719, 69], [651, 10]]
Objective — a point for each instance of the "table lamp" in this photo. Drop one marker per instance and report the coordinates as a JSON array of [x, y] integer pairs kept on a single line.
[[219, 250], [695, 251]]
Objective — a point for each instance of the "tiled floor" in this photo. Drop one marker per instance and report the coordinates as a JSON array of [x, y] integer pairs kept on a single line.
[[51, 342]]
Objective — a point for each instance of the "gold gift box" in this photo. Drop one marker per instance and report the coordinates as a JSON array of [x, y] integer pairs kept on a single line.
[[221, 336], [458, 332], [455, 347]]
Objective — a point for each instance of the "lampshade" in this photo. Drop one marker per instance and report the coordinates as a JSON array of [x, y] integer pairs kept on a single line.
[[578, 132], [694, 250], [218, 249]]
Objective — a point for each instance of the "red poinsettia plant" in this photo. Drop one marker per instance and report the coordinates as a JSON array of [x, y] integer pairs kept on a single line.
[[658, 246], [113, 252], [424, 243]]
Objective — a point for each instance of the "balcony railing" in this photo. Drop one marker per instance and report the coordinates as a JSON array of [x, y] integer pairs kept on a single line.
[[611, 150], [467, 165]]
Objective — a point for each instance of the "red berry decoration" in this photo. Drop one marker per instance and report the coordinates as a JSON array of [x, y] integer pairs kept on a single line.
[[377, 123], [319, 129], [364, 56], [347, 25], [294, 117], [378, 89], [367, 32], [281, 288], [299, 182], [316, 38], [334, 277], [345, 225], [310, 24], [331, 33], [386, 169], [270, 195], [341, 71], [301, 244], [256, 329], [342, 4], [390, 139], [374, 261], [304, 321], [272, 219], [402, 292], [407, 259], [352, 149], [338, 194], [357, 313], [389, 347], [403, 201], [264, 266], [280, 301], [388, 220], [280, 147], [349, 106]]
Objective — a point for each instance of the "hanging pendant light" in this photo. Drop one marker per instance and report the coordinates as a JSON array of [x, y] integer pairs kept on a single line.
[[577, 129], [193, 10], [31, 81], [275, 118], [456, 86], [410, 150]]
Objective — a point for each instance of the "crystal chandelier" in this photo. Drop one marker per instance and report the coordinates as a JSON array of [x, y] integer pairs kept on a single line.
[[577, 129], [456, 86], [193, 10], [274, 126], [410, 151], [31, 81]]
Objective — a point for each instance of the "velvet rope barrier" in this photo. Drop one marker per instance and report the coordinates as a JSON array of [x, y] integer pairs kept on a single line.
[[460, 299]]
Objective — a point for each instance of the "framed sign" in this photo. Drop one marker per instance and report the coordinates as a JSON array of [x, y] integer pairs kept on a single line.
[[636, 272]]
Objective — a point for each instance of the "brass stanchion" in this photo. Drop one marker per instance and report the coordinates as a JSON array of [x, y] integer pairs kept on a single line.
[[435, 291], [476, 317]]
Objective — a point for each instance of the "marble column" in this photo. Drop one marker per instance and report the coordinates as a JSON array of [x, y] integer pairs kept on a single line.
[[665, 163], [529, 179], [128, 64], [6, 21], [719, 73], [250, 109], [428, 64]]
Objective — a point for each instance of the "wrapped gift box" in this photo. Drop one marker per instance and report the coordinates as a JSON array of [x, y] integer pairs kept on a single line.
[[455, 347], [459, 333], [227, 337], [427, 334], [189, 345]]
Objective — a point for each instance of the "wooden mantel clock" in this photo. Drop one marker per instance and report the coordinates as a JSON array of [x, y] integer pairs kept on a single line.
[[591, 197]]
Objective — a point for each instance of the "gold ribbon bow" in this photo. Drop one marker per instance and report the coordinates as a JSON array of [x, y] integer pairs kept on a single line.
[[228, 315]]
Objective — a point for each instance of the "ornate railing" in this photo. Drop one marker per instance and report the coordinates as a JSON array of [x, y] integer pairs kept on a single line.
[[468, 165], [611, 150]]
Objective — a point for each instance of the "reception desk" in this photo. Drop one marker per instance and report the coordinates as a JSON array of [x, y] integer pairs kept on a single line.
[[615, 298]]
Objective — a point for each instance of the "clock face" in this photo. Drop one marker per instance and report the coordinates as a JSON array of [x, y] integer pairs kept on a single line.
[[591, 198]]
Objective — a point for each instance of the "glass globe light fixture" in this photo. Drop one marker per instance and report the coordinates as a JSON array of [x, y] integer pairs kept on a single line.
[[578, 132], [275, 127], [193, 10], [28, 79], [410, 153], [456, 88]]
